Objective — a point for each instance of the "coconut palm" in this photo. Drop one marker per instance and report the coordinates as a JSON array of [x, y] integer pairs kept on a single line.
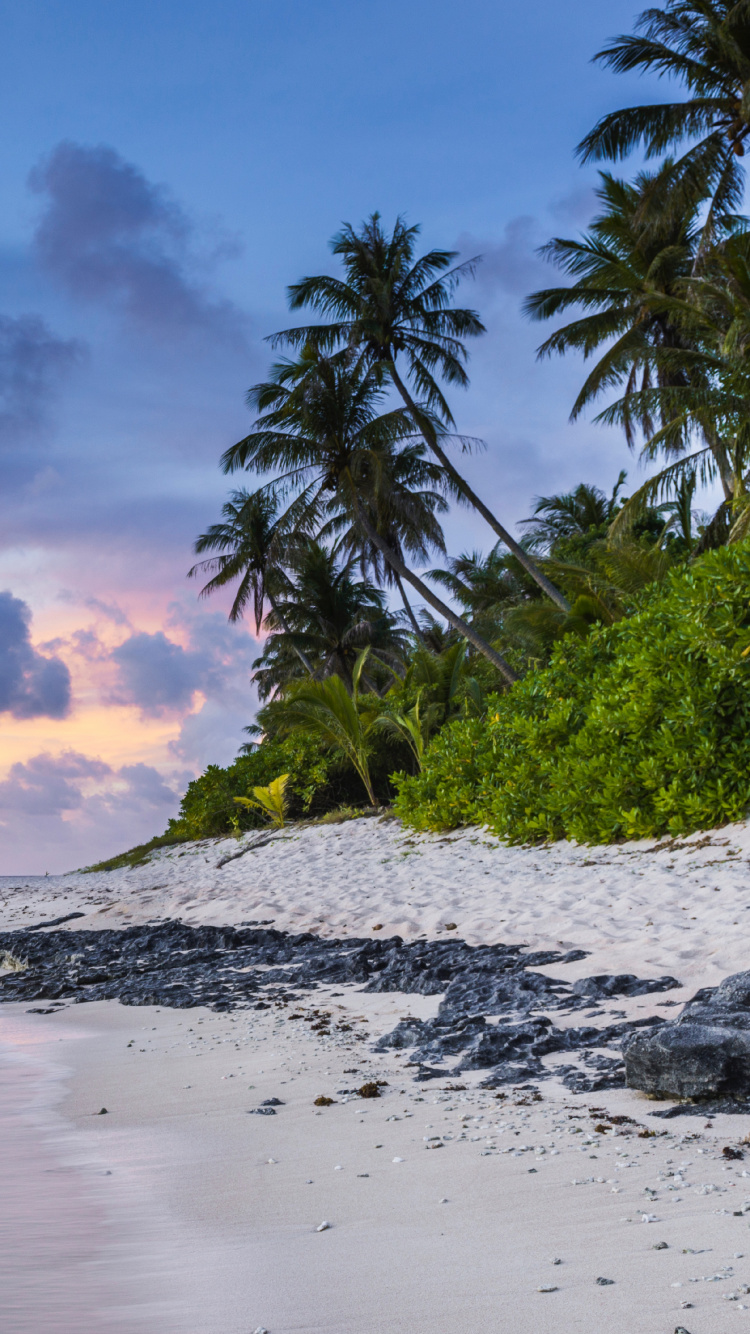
[[396, 310], [704, 45], [327, 446], [711, 409], [251, 547], [408, 502], [575, 513], [330, 617], [633, 256]]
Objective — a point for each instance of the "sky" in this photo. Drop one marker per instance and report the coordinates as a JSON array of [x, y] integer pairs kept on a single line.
[[167, 169]]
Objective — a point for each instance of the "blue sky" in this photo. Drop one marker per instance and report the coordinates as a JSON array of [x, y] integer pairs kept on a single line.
[[166, 170]]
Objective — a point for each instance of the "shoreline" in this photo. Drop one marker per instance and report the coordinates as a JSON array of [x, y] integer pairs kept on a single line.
[[214, 1209]]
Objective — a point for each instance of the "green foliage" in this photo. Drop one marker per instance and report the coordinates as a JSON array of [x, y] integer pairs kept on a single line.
[[209, 810], [272, 800], [325, 710], [638, 730]]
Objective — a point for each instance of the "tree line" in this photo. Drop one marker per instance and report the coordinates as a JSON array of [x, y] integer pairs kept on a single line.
[[354, 444]]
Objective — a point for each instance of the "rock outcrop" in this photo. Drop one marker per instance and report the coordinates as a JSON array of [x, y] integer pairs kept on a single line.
[[704, 1053]]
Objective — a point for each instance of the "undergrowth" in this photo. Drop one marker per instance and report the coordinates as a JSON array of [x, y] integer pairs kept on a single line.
[[640, 729]]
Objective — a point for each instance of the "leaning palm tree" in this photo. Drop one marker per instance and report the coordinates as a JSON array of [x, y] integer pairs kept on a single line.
[[249, 546], [321, 436], [705, 45], [395, 309]]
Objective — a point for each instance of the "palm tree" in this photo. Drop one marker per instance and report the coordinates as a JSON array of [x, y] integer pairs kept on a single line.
[[633, 256], [251, 546], [705, 45], [331, 712], [408, 502], [322, 438], [393, 308], [573, 514], [329, 616], [711, 409]]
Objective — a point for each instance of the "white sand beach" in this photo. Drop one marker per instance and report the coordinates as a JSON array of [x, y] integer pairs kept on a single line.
[[213, 1214]]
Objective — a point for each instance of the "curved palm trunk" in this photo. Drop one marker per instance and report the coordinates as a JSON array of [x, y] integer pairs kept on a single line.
[[408, 607], [463, 486], [453, 619], [282, 622]]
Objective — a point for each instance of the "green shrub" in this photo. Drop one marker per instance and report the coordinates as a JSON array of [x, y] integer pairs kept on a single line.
[[641, 729], [318, 782]]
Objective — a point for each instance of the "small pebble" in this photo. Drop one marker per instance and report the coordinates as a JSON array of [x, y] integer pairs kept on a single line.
[[338, 1168], [363, 1174], [547, 1287], [444, 1200], [271, 1160], [397, 1160], [322, 1227], [556, 1261], [103, 1112], [261, 1330], [660, 1246], [605, 1282]]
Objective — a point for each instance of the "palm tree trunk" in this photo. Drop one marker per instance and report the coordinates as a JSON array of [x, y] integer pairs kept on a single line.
[[408, 607], [451, 617], [282, 622], [460, 482]]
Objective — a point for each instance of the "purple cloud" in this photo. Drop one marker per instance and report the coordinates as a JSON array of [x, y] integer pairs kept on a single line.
[[31, 685], [33, 364], [109, 235], [510, 265], [43, 785], [156, 674]]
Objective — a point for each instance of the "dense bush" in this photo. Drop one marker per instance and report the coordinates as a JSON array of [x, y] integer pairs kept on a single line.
[[640, 729], [318, 783]]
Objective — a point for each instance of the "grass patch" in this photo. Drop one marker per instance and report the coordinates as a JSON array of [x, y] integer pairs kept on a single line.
[[136, 856]]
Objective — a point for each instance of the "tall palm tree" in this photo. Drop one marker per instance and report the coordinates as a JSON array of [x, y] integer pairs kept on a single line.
[[322, 438], [331, 617], [633, 256], [705, 45], [396, 309], [405, 512], [711, 409], [251, 547]]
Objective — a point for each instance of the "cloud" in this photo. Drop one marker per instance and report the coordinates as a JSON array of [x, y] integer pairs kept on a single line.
[[57, 811], [146, 784], [510, 265], [33, 365], [159, 675], [156, 674], [111, 236], [31, 685], [43, 786]]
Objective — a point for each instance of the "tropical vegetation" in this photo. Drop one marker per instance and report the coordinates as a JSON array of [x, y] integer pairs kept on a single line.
[[588, 678]]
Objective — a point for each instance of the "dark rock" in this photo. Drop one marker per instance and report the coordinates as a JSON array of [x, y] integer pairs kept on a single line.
[[624, 984], [272, 1102], [262, 1111], [226, 968], [704, 1053]]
